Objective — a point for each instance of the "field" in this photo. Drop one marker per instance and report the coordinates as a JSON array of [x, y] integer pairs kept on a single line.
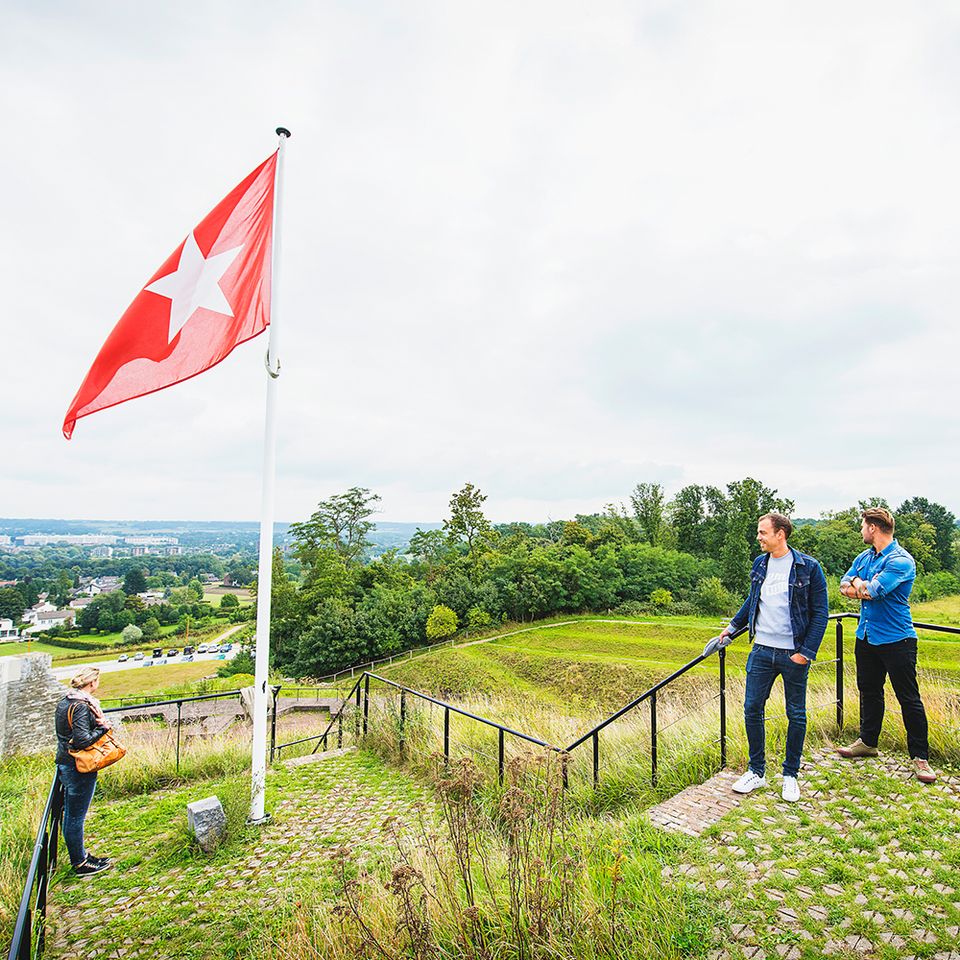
[[212, 595], [150, 680]]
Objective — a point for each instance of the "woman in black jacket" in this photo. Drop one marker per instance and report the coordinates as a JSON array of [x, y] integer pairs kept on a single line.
[[80, 723]]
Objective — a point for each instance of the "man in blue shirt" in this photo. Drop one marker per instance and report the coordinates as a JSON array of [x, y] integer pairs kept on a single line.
[[881, 578], [786, 612]]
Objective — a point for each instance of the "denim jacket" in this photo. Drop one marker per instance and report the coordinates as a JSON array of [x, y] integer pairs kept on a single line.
[[807, 598]]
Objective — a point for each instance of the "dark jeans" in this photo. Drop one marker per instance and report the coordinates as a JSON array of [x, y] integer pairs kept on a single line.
[[78, 792], [899, 660], [764, 665]]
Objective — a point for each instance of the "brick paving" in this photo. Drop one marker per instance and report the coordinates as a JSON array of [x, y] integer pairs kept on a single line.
[[151, 906], [867, 864], [693, 810]]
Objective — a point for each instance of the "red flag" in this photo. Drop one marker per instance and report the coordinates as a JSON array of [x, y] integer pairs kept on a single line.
[[211, 294]]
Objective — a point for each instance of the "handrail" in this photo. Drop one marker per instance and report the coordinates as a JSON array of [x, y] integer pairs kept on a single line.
[[652, 691], [42, 863], [466, 713], [176, 700], [321, 737]]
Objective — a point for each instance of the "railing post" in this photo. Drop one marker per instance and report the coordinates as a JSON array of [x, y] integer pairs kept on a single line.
[[340, 729], [596, 757], [356, 715], [839, 675], [446, 735], [273, 723], [653, 738], [366, 701], [500, 757], [179, 710], [723, 708], [403, 721]]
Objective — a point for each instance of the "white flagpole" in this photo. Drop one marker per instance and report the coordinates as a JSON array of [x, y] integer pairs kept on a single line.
[[265, 570]]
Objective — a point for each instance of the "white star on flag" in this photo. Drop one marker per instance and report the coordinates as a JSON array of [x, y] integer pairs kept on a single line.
[[195, 284]]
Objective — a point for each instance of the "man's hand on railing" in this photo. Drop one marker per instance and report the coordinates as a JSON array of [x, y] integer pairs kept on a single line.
[[715, 643]]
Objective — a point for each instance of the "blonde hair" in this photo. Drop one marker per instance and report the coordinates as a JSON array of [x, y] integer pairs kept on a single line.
[[85, 676]]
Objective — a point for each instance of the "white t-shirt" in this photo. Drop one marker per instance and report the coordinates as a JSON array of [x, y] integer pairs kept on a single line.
[[773, 616]]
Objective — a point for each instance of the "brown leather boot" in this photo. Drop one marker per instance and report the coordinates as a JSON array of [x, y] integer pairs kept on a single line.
[[925, 773], [857, 749]]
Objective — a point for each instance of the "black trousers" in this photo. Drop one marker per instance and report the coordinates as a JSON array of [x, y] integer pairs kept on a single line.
[[899, 661]]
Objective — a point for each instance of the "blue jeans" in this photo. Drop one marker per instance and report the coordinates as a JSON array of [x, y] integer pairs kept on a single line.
[[764, 665], [78, 792]]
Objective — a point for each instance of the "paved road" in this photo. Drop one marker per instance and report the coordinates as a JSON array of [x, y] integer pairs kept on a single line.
[[111, 666]]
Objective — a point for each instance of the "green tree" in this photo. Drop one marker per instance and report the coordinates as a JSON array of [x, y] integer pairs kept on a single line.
[[441, 623], [467, 523], [151, 628], [195, 590], [341, 522], [944, 524], [649, 512], [131, 634], [229, 601], [12, 604], [135, 581]]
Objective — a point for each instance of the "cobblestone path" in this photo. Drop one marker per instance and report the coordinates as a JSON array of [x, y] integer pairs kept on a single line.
[[165, 899], [866, 865]]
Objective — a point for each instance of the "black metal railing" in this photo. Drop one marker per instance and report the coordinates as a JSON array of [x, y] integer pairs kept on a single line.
[[357, 705], [29, 931], [178, 702], [28, 936]]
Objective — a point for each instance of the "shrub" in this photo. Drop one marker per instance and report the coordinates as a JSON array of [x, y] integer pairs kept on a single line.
[[441, 623], [712, 597], [661, 599], [131, 633], [477, 619]]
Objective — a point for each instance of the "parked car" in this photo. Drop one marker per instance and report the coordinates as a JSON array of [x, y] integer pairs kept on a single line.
[[226, 647], [187, 651], [123, 658], [172, 652], [157, 652], [187, 658], [203, 648], [138, 655]]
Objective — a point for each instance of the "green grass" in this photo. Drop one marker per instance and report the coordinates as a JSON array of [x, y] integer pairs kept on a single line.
[[151, 680]]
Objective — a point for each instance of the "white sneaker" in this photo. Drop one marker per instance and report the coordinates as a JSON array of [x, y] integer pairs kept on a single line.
[[749, 782], [791, 790]]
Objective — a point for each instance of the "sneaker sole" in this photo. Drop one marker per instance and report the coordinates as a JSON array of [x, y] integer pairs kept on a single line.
[[744, 793]]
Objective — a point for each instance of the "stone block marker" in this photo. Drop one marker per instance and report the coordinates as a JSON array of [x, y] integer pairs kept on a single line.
[[208, 822]]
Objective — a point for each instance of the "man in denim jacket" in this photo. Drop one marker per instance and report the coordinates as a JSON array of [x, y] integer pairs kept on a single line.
[[786, 611]]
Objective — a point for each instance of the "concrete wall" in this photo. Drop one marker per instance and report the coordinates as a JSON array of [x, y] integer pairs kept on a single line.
[[29, 694]]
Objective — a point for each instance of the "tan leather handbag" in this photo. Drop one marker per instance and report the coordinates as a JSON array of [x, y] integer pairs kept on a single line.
[[104, 751]]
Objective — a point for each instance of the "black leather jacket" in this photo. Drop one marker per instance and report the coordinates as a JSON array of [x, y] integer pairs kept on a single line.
[[85, 730]]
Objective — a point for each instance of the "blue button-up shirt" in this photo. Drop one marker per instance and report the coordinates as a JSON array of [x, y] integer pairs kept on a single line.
[[889, 575]]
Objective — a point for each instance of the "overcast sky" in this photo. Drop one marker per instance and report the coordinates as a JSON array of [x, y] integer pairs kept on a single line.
[[553, 249]]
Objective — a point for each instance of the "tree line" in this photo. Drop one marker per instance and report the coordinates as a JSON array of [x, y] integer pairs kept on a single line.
[[333, 607]]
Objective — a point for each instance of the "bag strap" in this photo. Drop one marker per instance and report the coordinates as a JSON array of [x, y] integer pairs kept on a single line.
[[70, 710]]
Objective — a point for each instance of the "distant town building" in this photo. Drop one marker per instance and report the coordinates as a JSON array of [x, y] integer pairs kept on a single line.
[[80, 602], [69, 539], [5, 540], [152, 541], [102, 585], [49, 619], [101, 553], [7, 630]]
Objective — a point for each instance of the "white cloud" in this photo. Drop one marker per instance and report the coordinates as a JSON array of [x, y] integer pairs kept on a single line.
[[550, 250]]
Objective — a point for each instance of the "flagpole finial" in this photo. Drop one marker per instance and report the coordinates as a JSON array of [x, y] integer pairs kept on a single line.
[[284, 132]]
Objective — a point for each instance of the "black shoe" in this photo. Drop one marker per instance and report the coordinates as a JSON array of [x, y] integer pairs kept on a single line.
[[90, 866], [99, 861]]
